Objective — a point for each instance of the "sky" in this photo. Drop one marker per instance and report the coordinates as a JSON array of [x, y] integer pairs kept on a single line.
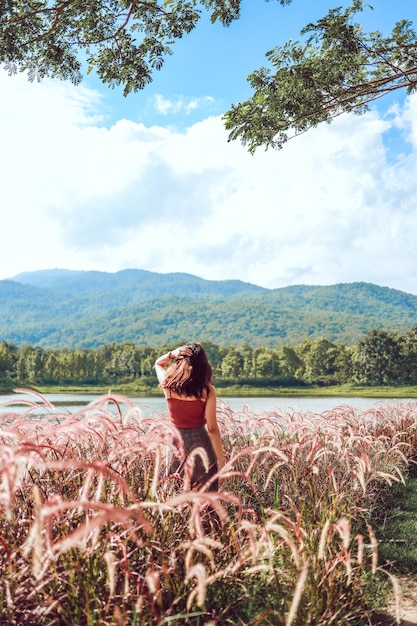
[[93, 180]]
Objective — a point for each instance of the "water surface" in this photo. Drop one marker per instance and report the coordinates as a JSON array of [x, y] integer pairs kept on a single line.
[[155, 405]]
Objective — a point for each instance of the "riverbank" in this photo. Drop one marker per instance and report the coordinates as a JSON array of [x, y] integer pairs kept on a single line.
[[133, 389]]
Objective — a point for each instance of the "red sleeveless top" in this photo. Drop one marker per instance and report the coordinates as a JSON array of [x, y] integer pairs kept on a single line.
[[187, 413]]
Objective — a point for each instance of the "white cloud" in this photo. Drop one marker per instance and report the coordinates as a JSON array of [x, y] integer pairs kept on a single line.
[[332, 206], [197, 103], [165, 106]]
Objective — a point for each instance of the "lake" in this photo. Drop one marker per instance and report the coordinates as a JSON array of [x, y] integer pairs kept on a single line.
[[155, 405]]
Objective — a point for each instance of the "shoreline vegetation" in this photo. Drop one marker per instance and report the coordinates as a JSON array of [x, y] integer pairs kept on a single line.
[[95, 529], [236, 391]]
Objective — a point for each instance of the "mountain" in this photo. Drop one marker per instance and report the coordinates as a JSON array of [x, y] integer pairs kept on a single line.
[[62, 308], [133, 285]]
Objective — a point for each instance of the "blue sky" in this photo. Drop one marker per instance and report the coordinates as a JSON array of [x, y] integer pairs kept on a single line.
[[210, 66], [93, 180]]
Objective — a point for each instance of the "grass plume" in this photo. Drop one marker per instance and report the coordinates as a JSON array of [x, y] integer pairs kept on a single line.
[[94, 529]]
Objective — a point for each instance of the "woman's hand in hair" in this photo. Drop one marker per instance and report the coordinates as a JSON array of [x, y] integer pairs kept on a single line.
[[182, 351]]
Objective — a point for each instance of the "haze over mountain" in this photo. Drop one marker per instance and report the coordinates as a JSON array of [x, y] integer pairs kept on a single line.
[[64, 308]]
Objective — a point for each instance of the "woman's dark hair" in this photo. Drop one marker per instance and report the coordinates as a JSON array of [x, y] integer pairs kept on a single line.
[[190, 374]]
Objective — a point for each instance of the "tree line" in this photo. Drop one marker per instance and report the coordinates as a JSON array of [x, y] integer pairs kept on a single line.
[[379, 358]]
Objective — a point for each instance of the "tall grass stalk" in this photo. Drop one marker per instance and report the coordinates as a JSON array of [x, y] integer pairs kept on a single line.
[[94, 529]]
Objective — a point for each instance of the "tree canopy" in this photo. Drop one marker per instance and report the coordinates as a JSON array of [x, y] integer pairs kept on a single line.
[[379, 358], [334, 68], [125, 41]]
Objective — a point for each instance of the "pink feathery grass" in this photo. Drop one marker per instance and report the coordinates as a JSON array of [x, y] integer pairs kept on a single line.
[[95, 487]]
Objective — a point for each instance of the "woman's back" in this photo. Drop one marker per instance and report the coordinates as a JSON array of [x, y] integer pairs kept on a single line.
[[187, 413]]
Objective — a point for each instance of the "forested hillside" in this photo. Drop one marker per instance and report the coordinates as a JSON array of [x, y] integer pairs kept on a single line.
[[63, 308]]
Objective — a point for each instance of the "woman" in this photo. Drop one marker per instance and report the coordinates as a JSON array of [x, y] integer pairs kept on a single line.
[[185, 376]]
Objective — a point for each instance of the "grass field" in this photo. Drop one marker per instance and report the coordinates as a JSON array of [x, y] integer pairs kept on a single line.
[[94, 529], [133, 389]]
